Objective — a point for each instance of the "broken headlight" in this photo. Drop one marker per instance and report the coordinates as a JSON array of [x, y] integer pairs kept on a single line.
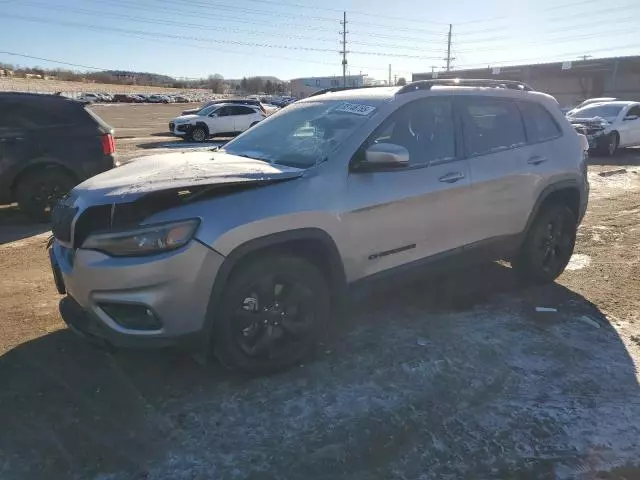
[[146, 240]]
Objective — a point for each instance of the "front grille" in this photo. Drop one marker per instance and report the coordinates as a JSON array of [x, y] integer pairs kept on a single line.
[[61, 219]]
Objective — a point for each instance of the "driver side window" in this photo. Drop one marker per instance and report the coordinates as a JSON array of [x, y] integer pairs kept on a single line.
[[223, 112], [635, 111], [424, 127]]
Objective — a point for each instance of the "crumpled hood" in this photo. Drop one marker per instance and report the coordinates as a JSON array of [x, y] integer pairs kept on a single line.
[[176, 170]]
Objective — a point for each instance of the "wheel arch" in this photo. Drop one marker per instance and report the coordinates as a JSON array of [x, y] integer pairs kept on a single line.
[[312, 244], [34, 166], [566, 191]]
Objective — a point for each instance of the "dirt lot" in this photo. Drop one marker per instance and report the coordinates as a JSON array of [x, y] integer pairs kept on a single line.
[[455, 377]]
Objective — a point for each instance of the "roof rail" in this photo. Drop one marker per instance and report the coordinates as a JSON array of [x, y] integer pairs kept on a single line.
[[339, 89], [465, 82]]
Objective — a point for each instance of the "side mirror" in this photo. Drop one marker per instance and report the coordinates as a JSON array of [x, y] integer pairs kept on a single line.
[[213, 115], [383, 156], [630, 117]]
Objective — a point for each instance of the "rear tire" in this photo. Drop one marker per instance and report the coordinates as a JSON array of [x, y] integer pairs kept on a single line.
[[38, 191], [548, 246], [271, 315]]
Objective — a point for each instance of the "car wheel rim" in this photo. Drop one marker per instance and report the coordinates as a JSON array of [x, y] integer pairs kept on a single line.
[[46, 195], [274, 318], [554, 245], [198, 135]]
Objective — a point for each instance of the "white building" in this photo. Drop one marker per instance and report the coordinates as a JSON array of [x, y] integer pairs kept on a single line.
[[303, 87]]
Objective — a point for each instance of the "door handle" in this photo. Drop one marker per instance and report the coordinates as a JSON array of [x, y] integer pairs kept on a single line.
[[451, 177], [536, 160]]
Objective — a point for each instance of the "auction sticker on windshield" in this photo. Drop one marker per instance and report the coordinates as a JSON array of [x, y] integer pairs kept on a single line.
[[356, 108]]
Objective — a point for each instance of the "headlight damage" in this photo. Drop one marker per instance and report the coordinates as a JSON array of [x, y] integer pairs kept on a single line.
[[146, 240]]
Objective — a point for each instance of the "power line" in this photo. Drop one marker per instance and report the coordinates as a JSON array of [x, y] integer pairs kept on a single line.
[[179, 24], [179, 37], [199, 14], [554, 56], [200, 39]]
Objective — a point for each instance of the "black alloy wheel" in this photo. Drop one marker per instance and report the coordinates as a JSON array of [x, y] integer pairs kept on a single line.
[[274, 318], [548, 246], [272, 314]]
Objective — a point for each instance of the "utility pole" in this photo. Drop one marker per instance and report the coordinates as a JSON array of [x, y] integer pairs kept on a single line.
[[344, 48], [449, 48], [389, 74]]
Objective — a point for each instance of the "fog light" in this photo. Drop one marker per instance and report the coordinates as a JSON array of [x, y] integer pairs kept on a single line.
[[132, 316]]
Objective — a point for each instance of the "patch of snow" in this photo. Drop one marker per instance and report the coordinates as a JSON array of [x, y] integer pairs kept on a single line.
[[578, 262]]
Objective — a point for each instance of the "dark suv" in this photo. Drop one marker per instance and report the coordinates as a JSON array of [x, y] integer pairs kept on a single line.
[[48, 144]]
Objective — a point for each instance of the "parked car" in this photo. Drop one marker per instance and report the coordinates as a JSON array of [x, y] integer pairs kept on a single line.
[[240, 101], [590, 101], [157, 99], [124, 98], [48, 144], [89, 98], [220, 119], [248, 250], [609, 126]]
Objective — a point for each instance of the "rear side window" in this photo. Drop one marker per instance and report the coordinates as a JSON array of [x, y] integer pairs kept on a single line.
[[491, 125], [240, 110], [539, 123], [31, 115]]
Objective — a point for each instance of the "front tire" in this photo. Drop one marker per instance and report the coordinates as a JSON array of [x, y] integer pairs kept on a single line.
[[612, 145], [198, 134], [548, 246], [37, 192], [272, 313]]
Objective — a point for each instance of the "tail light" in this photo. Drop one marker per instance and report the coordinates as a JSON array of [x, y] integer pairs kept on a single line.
[[108, 144]]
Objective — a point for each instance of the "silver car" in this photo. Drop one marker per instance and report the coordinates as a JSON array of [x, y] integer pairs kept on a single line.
[[249, 249]]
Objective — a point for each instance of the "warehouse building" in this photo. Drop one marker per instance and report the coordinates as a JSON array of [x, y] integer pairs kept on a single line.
[[303, 87], [569, 82]]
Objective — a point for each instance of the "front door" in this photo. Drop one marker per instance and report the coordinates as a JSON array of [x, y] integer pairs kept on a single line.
[[401, 215], [221, 120], [629, 128]]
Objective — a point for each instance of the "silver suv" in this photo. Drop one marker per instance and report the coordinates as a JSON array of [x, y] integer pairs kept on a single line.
[[248, 249]]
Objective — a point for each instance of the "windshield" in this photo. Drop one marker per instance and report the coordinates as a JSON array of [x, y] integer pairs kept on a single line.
[[207, 110], [302, 135], [604, 111]]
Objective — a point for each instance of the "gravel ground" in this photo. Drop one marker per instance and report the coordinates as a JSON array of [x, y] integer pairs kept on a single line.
[[452, 377]]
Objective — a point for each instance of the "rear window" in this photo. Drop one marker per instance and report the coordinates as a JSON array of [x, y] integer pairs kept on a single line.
[[32, 114], [539, 123], [491, 125]]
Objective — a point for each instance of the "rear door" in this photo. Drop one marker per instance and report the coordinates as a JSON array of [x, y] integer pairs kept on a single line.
[[404, 214], [243, 117], [499, 158]]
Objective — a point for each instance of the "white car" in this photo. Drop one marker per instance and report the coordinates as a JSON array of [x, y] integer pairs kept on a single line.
[[590, 101], [610, 125], [222, 119]]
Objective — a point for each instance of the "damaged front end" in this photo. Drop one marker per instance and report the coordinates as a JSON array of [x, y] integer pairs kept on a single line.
[[595, 129], [72, 226]]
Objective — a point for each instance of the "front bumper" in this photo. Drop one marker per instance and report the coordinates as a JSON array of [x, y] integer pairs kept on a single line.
[[175, 286]]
